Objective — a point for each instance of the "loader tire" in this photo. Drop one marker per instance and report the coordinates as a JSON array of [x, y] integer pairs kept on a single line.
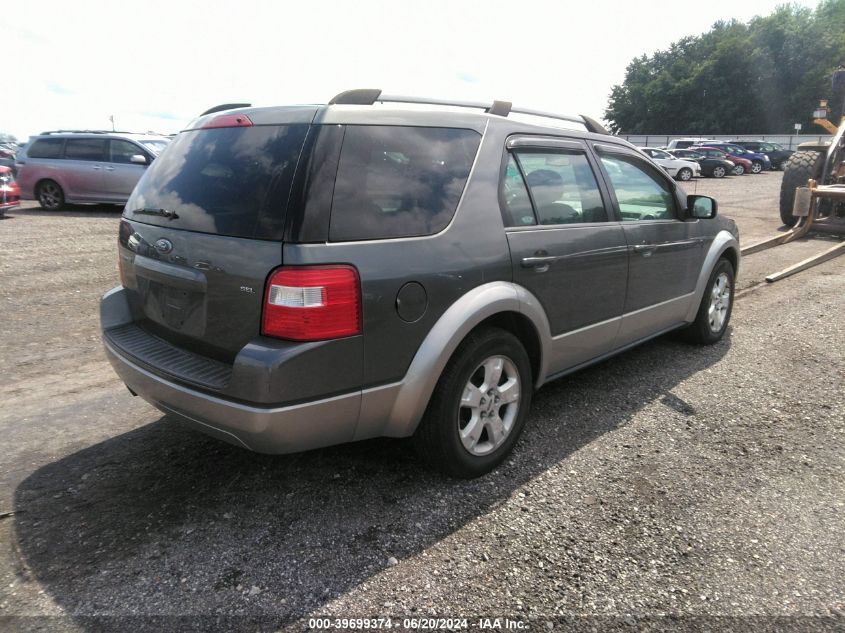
[[801, 167]]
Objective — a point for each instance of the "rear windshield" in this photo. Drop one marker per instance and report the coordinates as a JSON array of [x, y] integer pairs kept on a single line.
[[227, 181]]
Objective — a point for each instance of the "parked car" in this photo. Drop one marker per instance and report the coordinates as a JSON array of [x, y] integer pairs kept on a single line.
[[10, 163], [713, 165], [776, 152], [10, 193], [295, 277], [679, 169], [759, 162], [684, 143], [102, 167], [741, 165]]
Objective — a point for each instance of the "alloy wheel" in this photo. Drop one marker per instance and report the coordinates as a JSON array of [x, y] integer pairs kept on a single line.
[[489, 405]]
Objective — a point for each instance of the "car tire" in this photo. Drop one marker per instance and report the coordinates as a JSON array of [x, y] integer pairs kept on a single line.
[[718, 172], [801, 167], [464, 433], [714, 312], [756, 167], [738, 170], [684, 174], [50, 195]]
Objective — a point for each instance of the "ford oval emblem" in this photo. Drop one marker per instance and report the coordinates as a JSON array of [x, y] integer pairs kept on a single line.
[[163, 246]]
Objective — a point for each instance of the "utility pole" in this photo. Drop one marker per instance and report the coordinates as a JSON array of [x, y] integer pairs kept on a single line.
[[111, 118]]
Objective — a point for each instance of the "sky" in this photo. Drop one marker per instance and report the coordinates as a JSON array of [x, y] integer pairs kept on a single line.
[[153, 65]]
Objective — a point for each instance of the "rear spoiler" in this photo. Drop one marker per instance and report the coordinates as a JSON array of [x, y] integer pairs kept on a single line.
[[225, 106]]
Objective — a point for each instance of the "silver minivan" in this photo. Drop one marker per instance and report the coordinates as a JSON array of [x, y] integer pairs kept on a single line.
[[102, 167]]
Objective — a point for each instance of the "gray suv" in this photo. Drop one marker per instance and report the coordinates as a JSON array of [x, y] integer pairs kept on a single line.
[[84, 166], [296, 277]]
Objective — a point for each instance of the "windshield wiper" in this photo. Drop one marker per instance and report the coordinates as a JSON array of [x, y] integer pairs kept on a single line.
[[165, 213]]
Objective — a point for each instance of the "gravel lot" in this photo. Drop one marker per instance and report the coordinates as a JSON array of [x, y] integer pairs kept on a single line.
[[671, 488]]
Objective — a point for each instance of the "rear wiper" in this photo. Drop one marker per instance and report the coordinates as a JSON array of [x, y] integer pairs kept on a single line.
[[166, 213]]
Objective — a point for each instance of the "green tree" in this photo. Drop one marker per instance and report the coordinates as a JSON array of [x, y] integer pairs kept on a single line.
[[759, 77]]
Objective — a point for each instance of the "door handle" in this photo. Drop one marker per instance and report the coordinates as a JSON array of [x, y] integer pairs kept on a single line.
[[540, 264], [109, 168], [97, 167], [645, 249]]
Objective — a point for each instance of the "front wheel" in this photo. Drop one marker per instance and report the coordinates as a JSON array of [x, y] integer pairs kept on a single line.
[[478, 407], [685, 174], [50, 195], [756, 167], [738, 170], [718, 172], [714, 312]]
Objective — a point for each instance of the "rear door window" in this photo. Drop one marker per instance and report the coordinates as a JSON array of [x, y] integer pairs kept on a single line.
[[395, 181], [93, 149], [225, 181], [47, 148], [563, 187]]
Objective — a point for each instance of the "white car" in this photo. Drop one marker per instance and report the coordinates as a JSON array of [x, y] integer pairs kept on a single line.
[[675, 167]]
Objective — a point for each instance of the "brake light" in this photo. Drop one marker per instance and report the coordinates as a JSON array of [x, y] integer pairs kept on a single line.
[[312, 303], [124, 231], [228, 120]]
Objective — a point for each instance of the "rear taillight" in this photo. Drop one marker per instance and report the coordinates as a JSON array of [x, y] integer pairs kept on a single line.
[[123, 234], [312, 303]]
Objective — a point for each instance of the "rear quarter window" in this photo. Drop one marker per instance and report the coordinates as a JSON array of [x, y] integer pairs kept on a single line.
[[47, 148], [395, 181]]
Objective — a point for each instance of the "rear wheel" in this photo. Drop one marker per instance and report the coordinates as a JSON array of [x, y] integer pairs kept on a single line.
[[50, 195], [756, 167], [685, 174], [801, 167], [478, 407], [718, 172], [714, 312]]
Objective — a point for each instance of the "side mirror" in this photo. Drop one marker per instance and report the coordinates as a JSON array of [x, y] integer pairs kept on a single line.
[[701, 207], [138, 159]]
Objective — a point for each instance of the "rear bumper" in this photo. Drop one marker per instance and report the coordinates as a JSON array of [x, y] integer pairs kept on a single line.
[[287, 429], [264, 428]]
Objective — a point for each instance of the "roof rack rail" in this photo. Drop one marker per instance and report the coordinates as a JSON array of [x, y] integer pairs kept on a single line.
[[48, 132], [369, 96], [225, 106]]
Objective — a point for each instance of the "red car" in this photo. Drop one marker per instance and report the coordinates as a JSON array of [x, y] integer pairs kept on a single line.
[[743, 165], [10, 193]]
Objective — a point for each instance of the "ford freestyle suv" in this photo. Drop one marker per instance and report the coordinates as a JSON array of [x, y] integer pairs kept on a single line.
[[84, 166], [296, 277]]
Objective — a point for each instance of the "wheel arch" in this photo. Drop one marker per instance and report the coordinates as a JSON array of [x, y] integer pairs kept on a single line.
[[503, 304], [723, 245], [51, 177]]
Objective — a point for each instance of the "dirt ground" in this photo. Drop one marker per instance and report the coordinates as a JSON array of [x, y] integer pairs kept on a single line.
[[672, 486]]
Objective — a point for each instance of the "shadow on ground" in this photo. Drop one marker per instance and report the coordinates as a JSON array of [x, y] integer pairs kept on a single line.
[[70, 211], [164, 521]]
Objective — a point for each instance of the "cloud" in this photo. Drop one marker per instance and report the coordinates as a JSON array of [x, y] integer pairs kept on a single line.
[[58, 89], [161, 114]]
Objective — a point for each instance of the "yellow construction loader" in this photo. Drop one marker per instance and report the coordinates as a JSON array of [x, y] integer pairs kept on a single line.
[[812, 194]]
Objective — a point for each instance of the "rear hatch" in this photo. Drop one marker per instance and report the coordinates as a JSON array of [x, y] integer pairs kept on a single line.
[[203, 230]]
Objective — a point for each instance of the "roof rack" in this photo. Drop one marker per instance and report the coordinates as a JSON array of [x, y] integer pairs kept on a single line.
[[48, 132], [369, 96]]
